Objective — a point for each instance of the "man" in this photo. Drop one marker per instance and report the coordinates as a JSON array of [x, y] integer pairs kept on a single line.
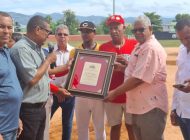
[[62, 52], [123, 48], [180, 114], [147, 99], [10, 90], [15, 37], [85, 107], [32, 71]]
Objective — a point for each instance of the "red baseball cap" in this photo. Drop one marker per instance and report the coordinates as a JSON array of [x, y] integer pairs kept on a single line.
[[115, 18]]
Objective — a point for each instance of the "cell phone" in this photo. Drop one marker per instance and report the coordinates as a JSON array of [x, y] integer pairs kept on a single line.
[[179, 85]]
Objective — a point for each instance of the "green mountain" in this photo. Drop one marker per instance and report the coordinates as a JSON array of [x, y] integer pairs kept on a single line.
[[23, 19]]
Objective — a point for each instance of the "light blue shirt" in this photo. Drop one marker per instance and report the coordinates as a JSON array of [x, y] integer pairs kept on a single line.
[[28, 57], [10, 93]]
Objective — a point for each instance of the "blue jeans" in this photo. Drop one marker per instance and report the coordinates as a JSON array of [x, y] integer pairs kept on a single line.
[[185, 127], [10, 135], [67, 115]]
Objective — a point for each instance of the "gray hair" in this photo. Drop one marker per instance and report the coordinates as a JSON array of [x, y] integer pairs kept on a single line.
[[144, 20], [61, 26]]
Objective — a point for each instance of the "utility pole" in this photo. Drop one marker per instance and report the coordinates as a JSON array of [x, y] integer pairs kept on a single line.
[[113, 7]]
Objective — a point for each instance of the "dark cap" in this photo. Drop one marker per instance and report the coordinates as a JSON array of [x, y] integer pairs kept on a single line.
[[115, 18], [87, 25]]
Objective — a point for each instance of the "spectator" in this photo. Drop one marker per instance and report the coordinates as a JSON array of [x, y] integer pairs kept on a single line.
[[85, 107], [10, 90], [147, 99], [62, 52], [33, 73], [15, 37], [123, 47], [180, 114]]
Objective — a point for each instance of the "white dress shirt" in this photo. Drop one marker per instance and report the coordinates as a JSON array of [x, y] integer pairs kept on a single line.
[[181, 100], [62, 59]]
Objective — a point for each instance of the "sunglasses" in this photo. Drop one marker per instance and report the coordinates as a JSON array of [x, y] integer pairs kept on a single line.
[[62, 34], [141, 30], [47, 31]]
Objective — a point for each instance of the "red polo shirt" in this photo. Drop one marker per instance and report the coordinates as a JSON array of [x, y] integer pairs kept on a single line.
[[118, 77]]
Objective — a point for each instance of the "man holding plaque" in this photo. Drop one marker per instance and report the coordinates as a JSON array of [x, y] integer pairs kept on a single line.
[[145, 85], [85, 107], [123, 48]]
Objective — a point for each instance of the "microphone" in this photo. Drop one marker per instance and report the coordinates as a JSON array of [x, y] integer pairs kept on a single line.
[[51, 48]]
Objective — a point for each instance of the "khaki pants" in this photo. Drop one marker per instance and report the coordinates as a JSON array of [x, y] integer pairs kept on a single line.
[[149, 126]]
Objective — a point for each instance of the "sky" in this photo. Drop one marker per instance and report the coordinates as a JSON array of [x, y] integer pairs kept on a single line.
[[126, 8]]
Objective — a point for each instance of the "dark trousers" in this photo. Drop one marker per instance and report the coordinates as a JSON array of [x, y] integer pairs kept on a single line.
[[67, 115], [33, 120], [184, 124]]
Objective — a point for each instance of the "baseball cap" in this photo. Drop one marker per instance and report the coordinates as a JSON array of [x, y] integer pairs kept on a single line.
[[87, 25], [115, 18]]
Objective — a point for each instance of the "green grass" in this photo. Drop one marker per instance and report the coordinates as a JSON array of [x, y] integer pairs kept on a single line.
[[170, 43], [165, 43]]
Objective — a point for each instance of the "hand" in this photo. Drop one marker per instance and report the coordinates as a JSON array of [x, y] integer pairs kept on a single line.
[[20, 128], [173, 117], [183, 87], [119, 67], [122, 60], [110, 96], [187, 81], [60, 98], [51, 57], [69, 63], [62, 94]]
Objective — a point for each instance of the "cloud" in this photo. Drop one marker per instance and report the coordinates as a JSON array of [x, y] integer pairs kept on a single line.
[[127, 8]]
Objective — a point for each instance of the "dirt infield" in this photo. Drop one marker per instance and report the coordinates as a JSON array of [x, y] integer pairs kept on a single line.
[[171, 132]]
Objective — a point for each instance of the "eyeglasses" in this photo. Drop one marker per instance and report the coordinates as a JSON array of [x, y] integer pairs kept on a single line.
[[62, 34], [141, 30], [47, 31]]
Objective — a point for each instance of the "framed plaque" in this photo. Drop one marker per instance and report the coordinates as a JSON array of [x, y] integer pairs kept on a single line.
[[90, 73]]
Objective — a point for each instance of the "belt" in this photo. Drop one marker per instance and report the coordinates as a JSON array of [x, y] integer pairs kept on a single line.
[[33, 105]]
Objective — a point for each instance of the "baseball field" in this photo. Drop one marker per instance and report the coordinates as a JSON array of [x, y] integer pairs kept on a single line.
[[171, 132]]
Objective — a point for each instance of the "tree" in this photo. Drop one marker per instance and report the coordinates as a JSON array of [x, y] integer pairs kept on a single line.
[[128, 30], [17, 27], [155, 20], [71, 21], [52, 24], [102, 28], [181, 16]]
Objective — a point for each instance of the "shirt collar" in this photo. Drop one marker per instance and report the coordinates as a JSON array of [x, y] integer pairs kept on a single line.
[[33, 45], [57, 50], [4, 47]]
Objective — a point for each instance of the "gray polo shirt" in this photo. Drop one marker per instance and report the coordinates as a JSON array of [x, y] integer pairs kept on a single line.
[[28, 57]]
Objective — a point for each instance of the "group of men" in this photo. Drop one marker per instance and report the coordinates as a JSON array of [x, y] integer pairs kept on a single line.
[[137, 89]]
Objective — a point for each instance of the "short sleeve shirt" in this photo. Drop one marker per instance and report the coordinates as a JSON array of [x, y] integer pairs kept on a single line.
[[10, 93], [28, 57], [148, 63], [118, 77]]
